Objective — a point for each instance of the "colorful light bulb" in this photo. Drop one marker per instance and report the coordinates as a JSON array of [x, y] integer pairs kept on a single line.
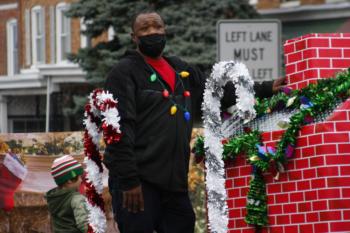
[[173, 110], [153, 77], [187, 116], [187, 94], [184, 74], [165, 93]]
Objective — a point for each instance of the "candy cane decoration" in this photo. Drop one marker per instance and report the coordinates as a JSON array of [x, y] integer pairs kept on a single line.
[[222, 73], [101, 116]]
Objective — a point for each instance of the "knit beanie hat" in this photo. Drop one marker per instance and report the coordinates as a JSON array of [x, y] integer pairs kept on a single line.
[[65, 168]]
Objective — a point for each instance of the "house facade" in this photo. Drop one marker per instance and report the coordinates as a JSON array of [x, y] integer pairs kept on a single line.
[[300, 17], [37, 81]]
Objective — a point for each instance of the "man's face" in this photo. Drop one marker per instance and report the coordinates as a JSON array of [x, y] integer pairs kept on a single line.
[[147, 24]]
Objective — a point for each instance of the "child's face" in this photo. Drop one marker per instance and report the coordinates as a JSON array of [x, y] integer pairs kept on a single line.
[[74, 184]]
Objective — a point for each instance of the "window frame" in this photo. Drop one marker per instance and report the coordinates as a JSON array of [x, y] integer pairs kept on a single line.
[[35, 10], [60, 9], [11, 63], [334, 1], [253, 2], [290, 3], [110, 33], [84, 39]]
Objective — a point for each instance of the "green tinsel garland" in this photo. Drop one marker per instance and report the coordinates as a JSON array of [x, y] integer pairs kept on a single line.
[[198, 148], [246, 143], [257, 201], [323, 96]]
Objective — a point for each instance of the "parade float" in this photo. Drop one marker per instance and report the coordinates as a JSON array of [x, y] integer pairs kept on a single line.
[[287, 170], [272, 165]]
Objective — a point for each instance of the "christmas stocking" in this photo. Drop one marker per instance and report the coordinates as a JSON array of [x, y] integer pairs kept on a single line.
[[12, 173]]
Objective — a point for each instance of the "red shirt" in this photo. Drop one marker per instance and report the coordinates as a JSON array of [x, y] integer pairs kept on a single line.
[[164, 69]]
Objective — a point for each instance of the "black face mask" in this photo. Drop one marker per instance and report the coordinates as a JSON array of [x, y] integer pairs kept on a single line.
[[152, 45]]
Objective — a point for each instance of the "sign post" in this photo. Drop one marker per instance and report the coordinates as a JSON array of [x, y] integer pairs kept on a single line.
[[256, 43]]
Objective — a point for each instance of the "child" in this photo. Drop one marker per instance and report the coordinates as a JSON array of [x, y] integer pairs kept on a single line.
[[66, 205]]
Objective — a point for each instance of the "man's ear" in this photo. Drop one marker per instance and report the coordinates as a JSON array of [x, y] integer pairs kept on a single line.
[[133, 37], [69, 182]]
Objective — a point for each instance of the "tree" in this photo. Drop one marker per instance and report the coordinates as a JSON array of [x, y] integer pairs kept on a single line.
[[191, 30]]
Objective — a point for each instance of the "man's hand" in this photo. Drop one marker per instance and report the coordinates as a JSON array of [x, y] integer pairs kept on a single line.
[[278, 84], [133, 200]]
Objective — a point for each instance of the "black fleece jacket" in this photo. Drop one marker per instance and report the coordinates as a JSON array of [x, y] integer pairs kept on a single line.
[[155, 146]]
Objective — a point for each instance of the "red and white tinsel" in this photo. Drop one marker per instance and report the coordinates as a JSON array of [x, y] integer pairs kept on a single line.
[[101, 116]]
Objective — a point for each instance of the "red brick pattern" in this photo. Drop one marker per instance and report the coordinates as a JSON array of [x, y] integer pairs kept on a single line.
[[5, 15], [19, 14], [313, 195], [46, 4], [315, 56]]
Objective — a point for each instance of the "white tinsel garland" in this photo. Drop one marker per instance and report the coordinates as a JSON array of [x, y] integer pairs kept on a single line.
[[102, 107], [93, 175], [97, 218], [223, 72], [92, 129], [94, 110], [110, 115]]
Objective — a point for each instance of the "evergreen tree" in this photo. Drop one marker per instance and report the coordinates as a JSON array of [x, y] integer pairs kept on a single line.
[[191, 30]]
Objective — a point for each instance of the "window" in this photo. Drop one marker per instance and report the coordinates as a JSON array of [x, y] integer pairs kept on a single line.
[[85, 40], [110, 33], [335, 1], [12, 47], [28, 47], [52, 14], [38, 35], [253, 2], [26, 125], [290, 3], [62, 32]]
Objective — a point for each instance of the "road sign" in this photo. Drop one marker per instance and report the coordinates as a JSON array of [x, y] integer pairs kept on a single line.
[[256, 43]]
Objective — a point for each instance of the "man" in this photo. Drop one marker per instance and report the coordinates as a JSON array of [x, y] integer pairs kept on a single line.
[[157, 96]]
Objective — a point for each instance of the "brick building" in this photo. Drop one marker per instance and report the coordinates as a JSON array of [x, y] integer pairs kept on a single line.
[[9, 16], [36, 79], [300, 17], [36, 36]]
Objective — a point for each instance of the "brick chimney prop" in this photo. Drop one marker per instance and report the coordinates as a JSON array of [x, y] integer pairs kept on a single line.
[[313, 194]]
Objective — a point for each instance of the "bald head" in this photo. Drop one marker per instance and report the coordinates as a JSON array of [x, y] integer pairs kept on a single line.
[[147, 23], [148, 33]]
